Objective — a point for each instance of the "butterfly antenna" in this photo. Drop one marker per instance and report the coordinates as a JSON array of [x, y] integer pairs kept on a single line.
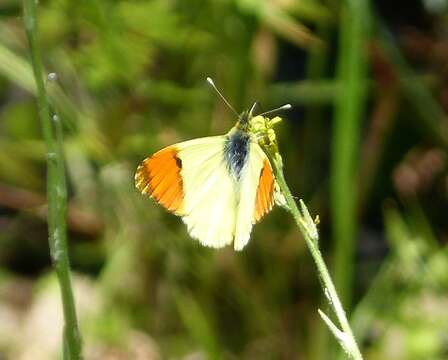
[[212, 84], [284, 107], [252, 109]]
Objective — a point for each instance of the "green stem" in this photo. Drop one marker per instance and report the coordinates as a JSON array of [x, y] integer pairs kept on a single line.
[[309, 231], [57, 191], [349, 107]]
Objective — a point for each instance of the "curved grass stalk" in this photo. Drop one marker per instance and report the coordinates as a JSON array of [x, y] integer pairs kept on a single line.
[[307, 226]]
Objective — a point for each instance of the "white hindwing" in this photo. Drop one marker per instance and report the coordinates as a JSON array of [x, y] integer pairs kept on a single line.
[[248, 190]]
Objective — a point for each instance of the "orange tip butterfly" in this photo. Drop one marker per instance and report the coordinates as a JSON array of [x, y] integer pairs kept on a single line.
[[220, 185]]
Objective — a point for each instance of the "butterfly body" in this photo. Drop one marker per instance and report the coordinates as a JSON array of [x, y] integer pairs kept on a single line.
[[220, 185], [236, 152]]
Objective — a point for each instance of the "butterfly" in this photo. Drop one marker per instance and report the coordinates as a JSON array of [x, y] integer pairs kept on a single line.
[[220, 185]]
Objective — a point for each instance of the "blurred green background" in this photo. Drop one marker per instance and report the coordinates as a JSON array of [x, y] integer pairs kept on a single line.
[[365, 146]]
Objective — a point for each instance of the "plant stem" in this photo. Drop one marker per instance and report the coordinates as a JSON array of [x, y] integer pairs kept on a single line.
[[309, 231], [56, 190], [349, 107]]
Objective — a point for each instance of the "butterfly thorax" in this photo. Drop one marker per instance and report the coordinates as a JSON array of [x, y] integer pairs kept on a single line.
[[236, 151], [248, 129], [237, 146]]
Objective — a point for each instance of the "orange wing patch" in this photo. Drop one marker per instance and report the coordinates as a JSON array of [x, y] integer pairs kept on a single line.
[[264, 200], [159, 177]]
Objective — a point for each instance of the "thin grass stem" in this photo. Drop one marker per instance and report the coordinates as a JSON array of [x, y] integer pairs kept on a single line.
[[56, 191], [349, 108]]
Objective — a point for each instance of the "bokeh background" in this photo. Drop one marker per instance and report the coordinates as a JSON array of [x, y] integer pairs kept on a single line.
[[365, 146]]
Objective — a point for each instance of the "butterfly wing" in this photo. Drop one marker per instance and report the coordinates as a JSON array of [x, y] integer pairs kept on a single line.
[[210, 193], [256, 194], [159, 177], [191, 180]]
